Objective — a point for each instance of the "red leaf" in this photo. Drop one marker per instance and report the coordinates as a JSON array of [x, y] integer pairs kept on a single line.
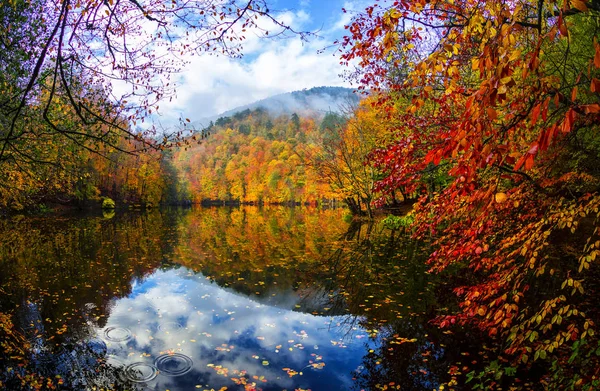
[[528, 162], [561, 26], [545, 110], [535, 113], [520, 162]]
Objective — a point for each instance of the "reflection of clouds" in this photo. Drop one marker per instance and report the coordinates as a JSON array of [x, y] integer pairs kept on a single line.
[[171, 312]]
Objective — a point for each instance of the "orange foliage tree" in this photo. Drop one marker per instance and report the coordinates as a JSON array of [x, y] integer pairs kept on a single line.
[[503, 97], [340, 153]]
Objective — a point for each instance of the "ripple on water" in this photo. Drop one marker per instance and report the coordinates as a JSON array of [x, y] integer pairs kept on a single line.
[[117, 334], [175, 364], [47, 356], [140, 372], [170, 327]]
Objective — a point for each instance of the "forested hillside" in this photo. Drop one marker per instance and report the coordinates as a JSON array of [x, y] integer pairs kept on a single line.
[[252, 157]]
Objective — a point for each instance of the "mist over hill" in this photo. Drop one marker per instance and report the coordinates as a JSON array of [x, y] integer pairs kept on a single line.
[[313, 102]]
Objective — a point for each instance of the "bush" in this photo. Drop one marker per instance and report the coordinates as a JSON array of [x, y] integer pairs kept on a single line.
[[108, 203], [397, 222]]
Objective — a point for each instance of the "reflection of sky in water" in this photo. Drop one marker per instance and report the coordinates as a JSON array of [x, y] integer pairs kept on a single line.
[[177, 312]]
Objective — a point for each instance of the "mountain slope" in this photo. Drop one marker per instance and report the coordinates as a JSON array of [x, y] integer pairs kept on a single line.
[[314, 102]]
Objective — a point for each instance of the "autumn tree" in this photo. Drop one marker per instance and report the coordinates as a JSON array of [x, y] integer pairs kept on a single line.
[[341, 151], [503, 97]]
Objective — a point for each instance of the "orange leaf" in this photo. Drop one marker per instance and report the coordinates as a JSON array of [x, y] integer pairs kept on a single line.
[[545, 110], [569, 120], [492, 113], [520, 163], [580, 5], [589, 109], [597, 55], [595, 85], [528, 162]]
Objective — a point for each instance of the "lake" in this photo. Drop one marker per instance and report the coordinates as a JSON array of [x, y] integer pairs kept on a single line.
[[245, 298]]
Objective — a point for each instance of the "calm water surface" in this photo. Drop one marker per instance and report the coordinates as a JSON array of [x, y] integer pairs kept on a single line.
[[236, 299]]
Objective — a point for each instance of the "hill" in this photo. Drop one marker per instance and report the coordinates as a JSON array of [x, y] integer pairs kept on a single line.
[[313, 102]]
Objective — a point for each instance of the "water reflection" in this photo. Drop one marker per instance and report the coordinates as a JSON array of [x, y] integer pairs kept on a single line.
[[201, 334], [248, 298]]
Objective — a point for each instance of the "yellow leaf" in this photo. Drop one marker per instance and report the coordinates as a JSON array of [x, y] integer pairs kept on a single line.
[[514, 55], [501, 197]]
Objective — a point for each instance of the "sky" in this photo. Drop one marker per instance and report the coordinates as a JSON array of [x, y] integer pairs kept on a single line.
[[210, 85]]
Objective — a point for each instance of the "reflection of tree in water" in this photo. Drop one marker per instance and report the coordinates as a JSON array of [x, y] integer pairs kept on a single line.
[[379, 279], [58, 278], [259, 253], [374, 271]]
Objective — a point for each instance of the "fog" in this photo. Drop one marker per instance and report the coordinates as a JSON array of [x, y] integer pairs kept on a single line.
[[315, 102]]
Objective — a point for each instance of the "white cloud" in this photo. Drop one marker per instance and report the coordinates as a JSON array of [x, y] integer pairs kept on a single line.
[[211, 318], [210, 85]]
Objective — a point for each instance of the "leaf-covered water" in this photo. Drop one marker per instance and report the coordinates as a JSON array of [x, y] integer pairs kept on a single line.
[[245, 298]]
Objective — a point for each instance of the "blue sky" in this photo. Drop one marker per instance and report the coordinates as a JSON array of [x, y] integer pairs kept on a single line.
[[322, 12], [210, 85]]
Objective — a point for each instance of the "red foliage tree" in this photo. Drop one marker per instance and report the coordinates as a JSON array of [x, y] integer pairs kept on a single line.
[[503, 97]]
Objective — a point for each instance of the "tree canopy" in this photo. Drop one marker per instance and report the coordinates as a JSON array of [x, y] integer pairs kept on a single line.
[[503, 97], [84, 78], [108, 62]]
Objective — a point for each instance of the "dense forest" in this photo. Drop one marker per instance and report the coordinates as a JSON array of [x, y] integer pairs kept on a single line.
[[252, 156], [483, 114], [249, 157]]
